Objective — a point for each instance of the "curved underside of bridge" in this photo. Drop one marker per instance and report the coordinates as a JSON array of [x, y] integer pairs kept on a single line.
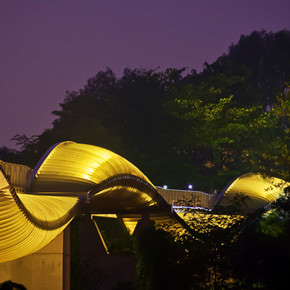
[[72, 179]]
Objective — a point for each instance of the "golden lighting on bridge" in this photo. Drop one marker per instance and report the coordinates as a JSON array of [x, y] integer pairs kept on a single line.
[[72, 179]]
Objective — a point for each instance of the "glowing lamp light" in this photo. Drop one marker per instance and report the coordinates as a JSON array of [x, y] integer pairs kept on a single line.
[[190, 186], [165, 186]]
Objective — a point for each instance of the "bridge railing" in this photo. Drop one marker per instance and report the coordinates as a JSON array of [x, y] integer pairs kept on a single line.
[[18, 174], [177, 197]]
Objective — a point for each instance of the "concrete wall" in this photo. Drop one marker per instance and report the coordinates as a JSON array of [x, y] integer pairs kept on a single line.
[[41, 270]]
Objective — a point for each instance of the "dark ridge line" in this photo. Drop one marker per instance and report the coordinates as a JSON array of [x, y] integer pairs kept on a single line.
[[116, 180]]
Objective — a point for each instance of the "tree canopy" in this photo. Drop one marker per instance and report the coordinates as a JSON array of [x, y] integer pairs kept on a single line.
[[181, 127]]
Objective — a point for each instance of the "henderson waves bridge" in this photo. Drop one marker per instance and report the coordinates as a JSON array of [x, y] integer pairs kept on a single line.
[[74, 179]]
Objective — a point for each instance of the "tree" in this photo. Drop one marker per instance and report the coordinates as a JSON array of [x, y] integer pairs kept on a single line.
[[276, 162], [198, 257], [180, 127], [10, 155], [264, 59], [261, 256], [222, 139]]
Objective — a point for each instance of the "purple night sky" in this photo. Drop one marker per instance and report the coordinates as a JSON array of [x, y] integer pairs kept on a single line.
[[49, 47]]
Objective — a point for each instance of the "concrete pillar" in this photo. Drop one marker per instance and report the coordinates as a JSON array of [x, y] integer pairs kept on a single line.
[[41, 270]]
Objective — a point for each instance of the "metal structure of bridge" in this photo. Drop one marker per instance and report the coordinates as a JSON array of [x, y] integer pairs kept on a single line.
[[73, 179]]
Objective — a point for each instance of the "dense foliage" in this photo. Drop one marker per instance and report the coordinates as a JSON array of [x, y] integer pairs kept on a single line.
[[251, 252], [181, 127]]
